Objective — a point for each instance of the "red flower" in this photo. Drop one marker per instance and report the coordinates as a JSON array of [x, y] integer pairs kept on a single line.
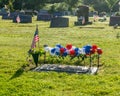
[[99, 51], [62, 50], [72, 52], [69, 46], [92, 51], [94, 47]]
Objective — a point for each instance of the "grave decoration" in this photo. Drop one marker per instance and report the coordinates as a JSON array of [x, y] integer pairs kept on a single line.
[[87, 52], [35, 50], [72, 51], [82, 13]]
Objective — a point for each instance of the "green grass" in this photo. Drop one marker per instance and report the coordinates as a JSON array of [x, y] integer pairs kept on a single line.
[[15, 41]]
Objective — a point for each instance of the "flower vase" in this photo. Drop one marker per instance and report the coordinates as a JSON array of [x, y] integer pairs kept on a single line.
[[35, 58]]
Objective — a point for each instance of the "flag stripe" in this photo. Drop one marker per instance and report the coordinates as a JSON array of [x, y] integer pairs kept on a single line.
[[18, 19], [83, 20], [35, 39]]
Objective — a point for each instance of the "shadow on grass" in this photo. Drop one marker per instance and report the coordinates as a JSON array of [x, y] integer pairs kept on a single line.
[[21, 70], [18, 73]]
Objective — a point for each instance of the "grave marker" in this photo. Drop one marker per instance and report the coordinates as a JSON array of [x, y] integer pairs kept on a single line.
[[82, 13], [114, 20], [44, 17], [59, 22], [57, 14], [23, 19], [7, 16]]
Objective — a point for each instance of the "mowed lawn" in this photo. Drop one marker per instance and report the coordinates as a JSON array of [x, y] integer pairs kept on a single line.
[[15, 41]]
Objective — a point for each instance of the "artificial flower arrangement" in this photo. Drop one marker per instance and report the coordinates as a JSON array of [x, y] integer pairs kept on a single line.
[[59, 50], [36, 52], [39, 51], [73, 51], [69, 50]]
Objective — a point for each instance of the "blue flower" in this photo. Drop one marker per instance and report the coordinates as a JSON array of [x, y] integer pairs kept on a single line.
[[59, 46], [87, 49], [53, 50], [76, 49], [57, 53], [64, 54]]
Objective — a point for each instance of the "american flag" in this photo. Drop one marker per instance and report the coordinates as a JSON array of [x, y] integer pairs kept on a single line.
[[18, 19], [83, 20], [35, 39], [95, 17]]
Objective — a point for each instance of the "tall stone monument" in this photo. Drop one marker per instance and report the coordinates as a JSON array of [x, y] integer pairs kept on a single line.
[[82, 13]]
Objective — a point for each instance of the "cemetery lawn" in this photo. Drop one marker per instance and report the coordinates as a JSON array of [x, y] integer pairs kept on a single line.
[[15, 41]]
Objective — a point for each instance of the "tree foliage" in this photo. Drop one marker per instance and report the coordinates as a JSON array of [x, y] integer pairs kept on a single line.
[[111, 3], [3, 3], [98, 5]]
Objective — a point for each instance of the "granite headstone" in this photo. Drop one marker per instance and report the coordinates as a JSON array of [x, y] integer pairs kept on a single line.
[[59, 22], [82, 12], [114, 20], [23, 19], [44, 17]]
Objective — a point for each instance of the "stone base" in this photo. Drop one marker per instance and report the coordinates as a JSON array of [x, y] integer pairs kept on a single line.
[[67, 68], [77, 23]]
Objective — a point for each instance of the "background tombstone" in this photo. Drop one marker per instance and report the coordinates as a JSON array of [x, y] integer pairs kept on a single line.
[[43, 15], [1, 13], [59, 22], [82, 11], [10, 16], [29, 12], [7, 16], [23, 18], [114, 20], [57, 14]]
